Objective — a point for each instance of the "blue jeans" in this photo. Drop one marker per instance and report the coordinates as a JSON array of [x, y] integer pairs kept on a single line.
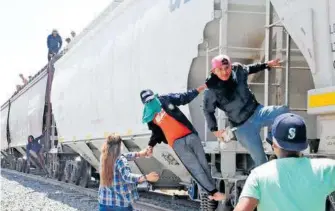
[[103, 207], [248, 133]]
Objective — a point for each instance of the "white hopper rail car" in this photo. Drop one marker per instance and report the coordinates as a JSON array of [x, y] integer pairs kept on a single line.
[[167, 46]]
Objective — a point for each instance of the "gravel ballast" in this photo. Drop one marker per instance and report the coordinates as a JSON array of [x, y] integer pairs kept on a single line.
[[23, 192], [20, 193]]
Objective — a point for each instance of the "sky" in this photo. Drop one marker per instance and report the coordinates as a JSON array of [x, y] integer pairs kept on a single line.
[[25, 25]]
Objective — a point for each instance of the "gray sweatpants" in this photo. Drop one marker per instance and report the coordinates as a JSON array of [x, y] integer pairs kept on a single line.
[[191, 153]]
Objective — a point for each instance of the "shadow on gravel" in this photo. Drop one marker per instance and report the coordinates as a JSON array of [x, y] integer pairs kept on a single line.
[[69, 197]]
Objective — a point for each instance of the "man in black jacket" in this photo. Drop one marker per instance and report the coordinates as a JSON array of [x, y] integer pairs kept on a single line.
[[169, 125], [228, 90]]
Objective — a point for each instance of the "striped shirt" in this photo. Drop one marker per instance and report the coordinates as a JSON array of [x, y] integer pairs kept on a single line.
[[123, 191]]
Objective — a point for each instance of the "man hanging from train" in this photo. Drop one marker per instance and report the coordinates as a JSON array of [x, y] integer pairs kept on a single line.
[[228, 90], [33, 145], [170, 125]]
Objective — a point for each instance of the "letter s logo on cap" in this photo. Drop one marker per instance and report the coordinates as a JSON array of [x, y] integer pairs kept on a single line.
[[291, 133]]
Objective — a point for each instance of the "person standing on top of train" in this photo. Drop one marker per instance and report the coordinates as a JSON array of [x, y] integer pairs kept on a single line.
[[117, 190], [33, 145], [228, 90], [24, 80], [170, 125], [54, 43]]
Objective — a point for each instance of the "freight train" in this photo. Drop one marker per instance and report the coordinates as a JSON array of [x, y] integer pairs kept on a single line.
[[93, 89]]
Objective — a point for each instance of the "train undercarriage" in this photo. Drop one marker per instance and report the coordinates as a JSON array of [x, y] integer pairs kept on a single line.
[[76, 160]]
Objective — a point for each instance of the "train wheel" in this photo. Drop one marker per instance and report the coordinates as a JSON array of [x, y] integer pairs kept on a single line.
[[24, 166], [75, 173], [3, 163], [13, 163], [67, 171], [85, 174], [54, 166], [61, 169], [20, 164], [49, 163], [55, 171], [17, 165]]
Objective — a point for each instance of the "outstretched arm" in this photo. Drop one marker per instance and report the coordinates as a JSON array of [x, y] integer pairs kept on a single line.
[[257, 67], [130, 156], [184, 98]]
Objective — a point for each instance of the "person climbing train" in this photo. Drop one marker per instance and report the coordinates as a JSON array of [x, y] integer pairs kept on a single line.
[[169, 125], [228, 90], [33, 145]]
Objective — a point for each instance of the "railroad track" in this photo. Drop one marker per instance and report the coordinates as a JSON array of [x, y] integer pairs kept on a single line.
[[149, 201]]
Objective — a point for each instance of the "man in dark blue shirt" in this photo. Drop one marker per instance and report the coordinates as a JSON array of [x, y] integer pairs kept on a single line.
[[54, 43], [33, 145]]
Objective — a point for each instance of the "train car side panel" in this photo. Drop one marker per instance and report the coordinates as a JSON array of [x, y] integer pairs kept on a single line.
[[142, 44], [4, 118], [26, 116]]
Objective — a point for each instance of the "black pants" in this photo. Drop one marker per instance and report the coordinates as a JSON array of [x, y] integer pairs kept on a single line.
[[191, 153]]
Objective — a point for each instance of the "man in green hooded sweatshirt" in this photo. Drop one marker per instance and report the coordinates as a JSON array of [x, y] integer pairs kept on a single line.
[[170, 125]]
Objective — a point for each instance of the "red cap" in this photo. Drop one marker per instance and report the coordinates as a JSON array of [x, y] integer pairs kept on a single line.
[[220, 60]]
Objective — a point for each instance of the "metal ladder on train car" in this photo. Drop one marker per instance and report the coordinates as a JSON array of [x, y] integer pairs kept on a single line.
[[265, 54], [283, 50]]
